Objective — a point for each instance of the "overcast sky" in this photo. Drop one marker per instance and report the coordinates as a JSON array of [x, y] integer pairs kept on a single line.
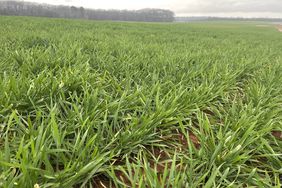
[[242, 8]]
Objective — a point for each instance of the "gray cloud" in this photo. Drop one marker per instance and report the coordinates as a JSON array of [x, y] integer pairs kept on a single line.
[[221, 6]]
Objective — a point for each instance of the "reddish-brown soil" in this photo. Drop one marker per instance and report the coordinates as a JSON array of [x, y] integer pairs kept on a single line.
[[277, 134]]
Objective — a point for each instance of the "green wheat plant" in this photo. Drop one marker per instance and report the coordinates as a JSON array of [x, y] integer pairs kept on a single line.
[[115, 104]]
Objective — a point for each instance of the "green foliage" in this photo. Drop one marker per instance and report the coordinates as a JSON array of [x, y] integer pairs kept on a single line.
[[93, 104]]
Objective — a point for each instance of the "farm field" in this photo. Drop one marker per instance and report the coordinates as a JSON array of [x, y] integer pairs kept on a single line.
[[116, 104]]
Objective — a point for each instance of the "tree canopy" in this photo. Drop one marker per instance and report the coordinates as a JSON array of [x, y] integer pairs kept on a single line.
[[45, 10]]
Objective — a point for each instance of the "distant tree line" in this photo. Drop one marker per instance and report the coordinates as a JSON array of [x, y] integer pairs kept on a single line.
[[207, 18], [20, 8]]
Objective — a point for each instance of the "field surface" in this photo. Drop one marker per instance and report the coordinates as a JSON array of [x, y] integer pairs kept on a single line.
[[114, 104]]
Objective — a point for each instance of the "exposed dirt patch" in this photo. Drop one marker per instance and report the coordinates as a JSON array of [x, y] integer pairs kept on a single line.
[[277, 134], [279, 27]]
